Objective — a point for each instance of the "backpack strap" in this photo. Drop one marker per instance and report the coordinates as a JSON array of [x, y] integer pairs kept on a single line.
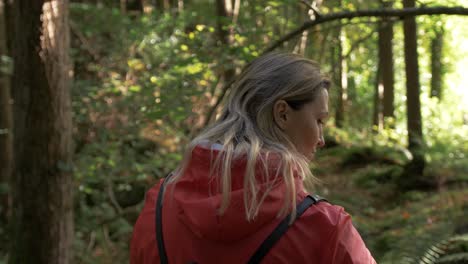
[[283, 226], [158, 222], [261, 252]]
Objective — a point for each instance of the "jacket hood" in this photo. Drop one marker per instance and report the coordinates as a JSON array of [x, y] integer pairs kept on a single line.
[[198, 198]]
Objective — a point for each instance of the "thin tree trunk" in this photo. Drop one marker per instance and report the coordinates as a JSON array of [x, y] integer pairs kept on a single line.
[[341, 94], [224, 14], [133, 7], [180, 6], [386, 65], [225, 34], [301, 49], [378, 90], [6, 123], [413, 104], [123, 6], [235, 11], [436, 63], [158, 5], [42, 181]]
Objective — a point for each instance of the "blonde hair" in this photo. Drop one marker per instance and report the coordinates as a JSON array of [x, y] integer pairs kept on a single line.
[[247, 130]]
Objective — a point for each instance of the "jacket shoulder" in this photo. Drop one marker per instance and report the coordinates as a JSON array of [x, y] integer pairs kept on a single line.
[[329, 227], [325, 213], [143, 248]]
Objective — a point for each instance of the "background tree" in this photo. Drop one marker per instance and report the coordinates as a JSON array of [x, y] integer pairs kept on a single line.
[[386, 64], [227, 14], [144, 82], [436, 62], [6, 120], [42, 189], [415, 167], [339, 72]]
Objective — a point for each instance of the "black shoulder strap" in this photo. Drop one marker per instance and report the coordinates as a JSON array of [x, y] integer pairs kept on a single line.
[[283, 226], [158, 222]]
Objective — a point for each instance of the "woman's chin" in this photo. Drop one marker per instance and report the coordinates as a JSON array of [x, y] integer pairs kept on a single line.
[[311, 156]]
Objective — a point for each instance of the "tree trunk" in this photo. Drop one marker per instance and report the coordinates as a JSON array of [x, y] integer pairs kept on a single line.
[[415, 136], [7, 6], [6, 123], [339, 80], [224, 11], [314, 45], [310, 15], [386, 65], [158, 5], [377, 113], [384, 86], [42, 178], [162, 5], [436, 63], [123, 6], [134, 7], [180, 6], [235, 11]]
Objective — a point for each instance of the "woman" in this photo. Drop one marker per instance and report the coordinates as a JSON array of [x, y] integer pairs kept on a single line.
[[238, 196]]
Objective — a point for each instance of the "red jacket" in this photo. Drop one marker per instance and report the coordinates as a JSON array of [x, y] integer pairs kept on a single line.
[[194, 232]]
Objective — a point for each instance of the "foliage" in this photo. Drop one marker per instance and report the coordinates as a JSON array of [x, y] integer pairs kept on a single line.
[[142, 86], [397, 227], [144, 83]]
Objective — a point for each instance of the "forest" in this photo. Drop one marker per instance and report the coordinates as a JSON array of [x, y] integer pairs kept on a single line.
[[98, 99]]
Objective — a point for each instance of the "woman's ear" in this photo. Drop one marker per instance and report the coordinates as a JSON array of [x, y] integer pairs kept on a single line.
[[280, 114]]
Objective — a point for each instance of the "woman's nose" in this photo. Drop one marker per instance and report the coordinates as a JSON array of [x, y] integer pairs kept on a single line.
[[321, 142]]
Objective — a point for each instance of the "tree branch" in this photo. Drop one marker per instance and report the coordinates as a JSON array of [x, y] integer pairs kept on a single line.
[[356, 43], [401, 13], [311, 7], [86, 45]]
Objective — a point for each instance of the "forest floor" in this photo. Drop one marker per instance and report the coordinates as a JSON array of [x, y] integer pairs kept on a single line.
[[397, 226]]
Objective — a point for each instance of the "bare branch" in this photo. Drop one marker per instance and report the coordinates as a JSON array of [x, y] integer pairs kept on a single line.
[[86, 45], [401, 13], [356, 43], [311, 7]]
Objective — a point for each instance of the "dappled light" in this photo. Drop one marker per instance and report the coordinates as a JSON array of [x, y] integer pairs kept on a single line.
[[150, 76]]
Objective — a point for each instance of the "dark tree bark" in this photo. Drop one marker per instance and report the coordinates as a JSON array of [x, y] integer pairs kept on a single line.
[[377, 111], [134, 6], [158, 5], [337, 70], [386, 63], [436, 63], [7, 5], [225, 14], [415, 136], [384, 85], [6, 121], [42, 178], [338, 76], [168, 5], [123, 6]]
